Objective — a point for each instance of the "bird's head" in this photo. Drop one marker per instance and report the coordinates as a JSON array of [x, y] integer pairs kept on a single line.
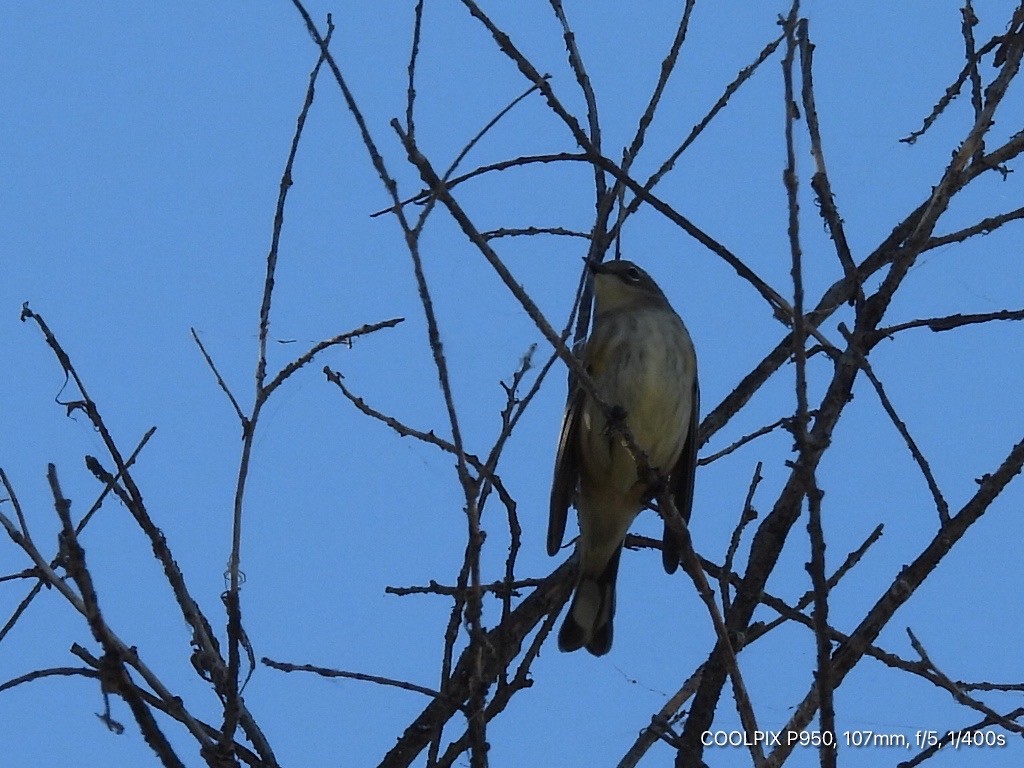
[[623, 285]]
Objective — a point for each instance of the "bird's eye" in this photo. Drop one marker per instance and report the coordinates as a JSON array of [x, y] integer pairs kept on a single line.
[[633, 275]]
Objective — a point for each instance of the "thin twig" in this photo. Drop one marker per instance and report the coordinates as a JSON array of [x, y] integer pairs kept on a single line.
[[693, 567], [796, 37], [748, 438], [904, 585], [985, 226], [941, 505], [424, 195], [747, 515], [220, 379], [342, 338], [506, 46], [236, 637], [946, 739], [13, 498], [414, 52], [970, 20], [669, 163], [202, 634], [27, 600], [580, 71], [328, 672], [820, 181], [530, 231], [959, 695], [498, 588], [948, 323], [114, 674], [41, 674], [668, 66], [951, 93], [544, 601]]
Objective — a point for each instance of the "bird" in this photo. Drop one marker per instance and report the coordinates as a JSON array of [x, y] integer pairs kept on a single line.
[[643, 363]]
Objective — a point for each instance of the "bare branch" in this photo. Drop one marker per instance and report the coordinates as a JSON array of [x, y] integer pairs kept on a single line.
[[220, 379], [329, 673], [414, 52], [940, 502], [960, 696], [904, 585], [948, 323], [341, 339]]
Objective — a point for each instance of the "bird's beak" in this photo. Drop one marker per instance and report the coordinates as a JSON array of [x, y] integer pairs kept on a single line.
[[597, 267]]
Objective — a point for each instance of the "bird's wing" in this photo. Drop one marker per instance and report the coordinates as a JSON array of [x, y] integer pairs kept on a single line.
[[567, 469], [682, 479]]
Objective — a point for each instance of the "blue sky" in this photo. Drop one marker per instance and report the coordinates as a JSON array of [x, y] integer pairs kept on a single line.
[[142, 149]]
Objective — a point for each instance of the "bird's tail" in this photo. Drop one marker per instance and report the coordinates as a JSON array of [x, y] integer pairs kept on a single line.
[[589, 621]]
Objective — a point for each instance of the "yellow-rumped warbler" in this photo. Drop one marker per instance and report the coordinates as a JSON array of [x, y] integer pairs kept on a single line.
[[642, 360]]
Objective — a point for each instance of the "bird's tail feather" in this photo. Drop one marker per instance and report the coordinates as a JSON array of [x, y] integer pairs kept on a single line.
[[589, 621]]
